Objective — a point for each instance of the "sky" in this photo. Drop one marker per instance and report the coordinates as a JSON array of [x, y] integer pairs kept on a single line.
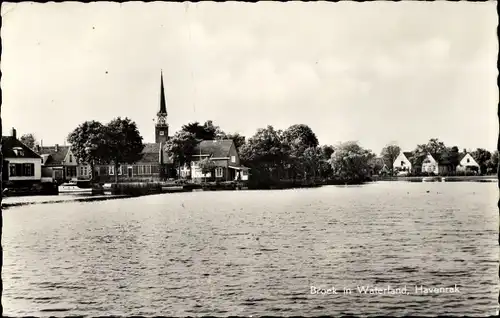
[[376, 73]]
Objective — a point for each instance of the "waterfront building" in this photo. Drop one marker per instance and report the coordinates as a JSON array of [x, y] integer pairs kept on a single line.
[[155, 164], [436, 164], [225, 159], [22, 167], [59, 164]]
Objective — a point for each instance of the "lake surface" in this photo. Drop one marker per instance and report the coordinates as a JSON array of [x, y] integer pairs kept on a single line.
[[257, 252]]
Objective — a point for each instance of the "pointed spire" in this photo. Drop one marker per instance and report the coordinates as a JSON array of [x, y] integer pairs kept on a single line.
[[163, 104]]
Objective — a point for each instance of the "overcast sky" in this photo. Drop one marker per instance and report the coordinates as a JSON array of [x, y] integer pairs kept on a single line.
[[372, 72]]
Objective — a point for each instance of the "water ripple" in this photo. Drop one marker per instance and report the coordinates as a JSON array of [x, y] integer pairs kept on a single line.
[[257, 253]]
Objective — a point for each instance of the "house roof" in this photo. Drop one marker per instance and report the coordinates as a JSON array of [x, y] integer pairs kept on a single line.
[[8, 145], [55, 157], [461, 156], [407, 154], [215, 148], [151, 153]]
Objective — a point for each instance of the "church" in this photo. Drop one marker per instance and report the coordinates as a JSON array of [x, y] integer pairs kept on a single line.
[[155, 164]]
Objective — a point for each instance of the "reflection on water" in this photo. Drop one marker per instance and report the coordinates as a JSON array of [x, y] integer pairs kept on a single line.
[[256, 252]]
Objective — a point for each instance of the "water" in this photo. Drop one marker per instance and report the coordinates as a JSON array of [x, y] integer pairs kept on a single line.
[[257, 252]]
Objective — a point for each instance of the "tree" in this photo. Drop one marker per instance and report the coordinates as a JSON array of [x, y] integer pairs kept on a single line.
[[327, 152], [376, 165], [450, 157], [433, 147], [492, 164], [312, 158], [389, 154], [181, 147], [298, 138], [325, 168], [265, 154], [207, 166], [123, 143], [300, 135], [351, 163], [482, 156], [29, 140], [207, 131], [88, 143]]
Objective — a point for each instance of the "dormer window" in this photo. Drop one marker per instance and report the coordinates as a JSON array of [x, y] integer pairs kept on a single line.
[[18, 151], [162, 133]]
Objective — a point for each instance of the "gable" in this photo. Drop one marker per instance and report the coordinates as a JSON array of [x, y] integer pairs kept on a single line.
[[463, 160], [402, 157], [70, 155], [429, 159]]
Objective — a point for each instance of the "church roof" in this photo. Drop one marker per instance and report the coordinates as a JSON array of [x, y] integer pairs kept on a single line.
[[163, 103], [151, 153]]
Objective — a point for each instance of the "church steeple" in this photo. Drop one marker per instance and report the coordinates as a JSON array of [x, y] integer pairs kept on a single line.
[[161, 127], [163, 104]]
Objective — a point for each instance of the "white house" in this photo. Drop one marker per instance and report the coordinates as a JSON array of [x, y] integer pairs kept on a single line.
[[467, 163], [402, 162], [430, 164], [24, 165]]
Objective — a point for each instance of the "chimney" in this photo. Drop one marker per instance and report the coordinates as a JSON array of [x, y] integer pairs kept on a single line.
[[56, 148], [14, 134], [465, 150], [38, 148]]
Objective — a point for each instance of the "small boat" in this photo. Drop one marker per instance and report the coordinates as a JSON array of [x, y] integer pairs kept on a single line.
[[172, 189], [431, 179], [73, 188]]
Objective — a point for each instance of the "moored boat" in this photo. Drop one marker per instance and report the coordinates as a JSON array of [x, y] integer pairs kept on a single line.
[[73, 188], [431, 179]]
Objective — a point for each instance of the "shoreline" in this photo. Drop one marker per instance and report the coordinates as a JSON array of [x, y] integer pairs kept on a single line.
[[66, 199]]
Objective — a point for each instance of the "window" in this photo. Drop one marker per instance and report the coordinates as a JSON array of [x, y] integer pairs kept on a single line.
[[120, 171], [83, 170], [111, 170], [140, 170], [468, 160], [402, 163], [22, 169], [71, 171], [162, 133], [218, 172], [29, 169], [18, 151], [147, 169], [70, 158], [233, 159]]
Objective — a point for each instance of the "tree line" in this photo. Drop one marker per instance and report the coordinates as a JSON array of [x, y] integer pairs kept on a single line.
[[273, 155]]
